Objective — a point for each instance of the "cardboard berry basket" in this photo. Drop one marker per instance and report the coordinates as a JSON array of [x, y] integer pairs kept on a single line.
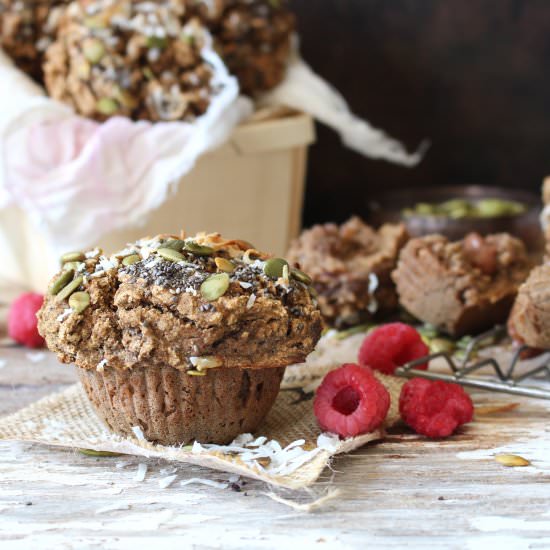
[[251, 187]]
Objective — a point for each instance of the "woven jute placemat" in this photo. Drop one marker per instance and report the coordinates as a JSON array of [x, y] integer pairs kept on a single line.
[[288, 450]]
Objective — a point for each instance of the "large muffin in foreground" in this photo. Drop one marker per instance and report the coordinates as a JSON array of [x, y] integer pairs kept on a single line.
[[141, 60], [351, 268], [461, 287], [185, 338]]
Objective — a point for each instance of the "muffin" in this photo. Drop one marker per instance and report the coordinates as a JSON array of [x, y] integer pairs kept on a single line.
[[351, 268], [252, 36], [134, 59], [529, 321], [187, 338], [461, 287], [27, 28]]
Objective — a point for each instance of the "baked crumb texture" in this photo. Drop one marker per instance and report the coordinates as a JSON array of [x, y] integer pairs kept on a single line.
[[462, 287], [160, 312], [351, 268]]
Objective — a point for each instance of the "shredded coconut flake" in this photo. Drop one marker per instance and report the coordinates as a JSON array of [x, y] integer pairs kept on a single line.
[[141, 471], [282, 461], [101, 365], [66, 312], [204, 481], [245, 285], [167, 481], [35, 357], [251, 301], [138, 432], [92, 253]]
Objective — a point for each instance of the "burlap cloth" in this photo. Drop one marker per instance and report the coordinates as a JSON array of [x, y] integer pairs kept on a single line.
[[67, 419]]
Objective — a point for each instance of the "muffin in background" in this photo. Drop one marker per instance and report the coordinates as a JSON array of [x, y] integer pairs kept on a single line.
[[136, 59], [27, 28], [462, 287], [252, 36], [351, 268], [185, 338]]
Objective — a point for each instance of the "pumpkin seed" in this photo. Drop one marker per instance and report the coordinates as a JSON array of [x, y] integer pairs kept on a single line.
[[72, 257], [512, 460], [91, 452], [70, 288], [106, 106], [79, 301], [72, 265], [198, 249], [225, 265], [93, 50], [196, 373], [170, 255], [441, 345], [159, 42], [274, 267], [174, 244], [61, 282], [215, 286], [95, 22], [300, 276], [83, 70], [131, 260], [126, 99]]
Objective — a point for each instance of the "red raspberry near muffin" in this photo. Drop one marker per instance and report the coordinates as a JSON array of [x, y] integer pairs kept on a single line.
[[391, 346], [22, 321], [351, 401], [434, 408]]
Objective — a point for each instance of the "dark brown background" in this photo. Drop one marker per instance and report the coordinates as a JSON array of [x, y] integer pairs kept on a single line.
[[472, 76]]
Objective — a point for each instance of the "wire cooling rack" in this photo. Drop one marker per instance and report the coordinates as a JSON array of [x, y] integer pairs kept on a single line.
[[506, 377]]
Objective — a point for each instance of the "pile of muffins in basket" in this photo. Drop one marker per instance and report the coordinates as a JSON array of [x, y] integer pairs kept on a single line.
[[144, 59], [188, 337]]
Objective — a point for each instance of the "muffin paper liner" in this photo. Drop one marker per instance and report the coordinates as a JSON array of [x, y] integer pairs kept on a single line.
[[288, 450]]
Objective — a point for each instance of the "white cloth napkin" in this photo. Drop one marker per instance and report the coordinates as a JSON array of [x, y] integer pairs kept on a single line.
[[306, 91], [77, 179]]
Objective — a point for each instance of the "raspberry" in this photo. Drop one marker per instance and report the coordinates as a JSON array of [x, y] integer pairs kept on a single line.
[[392, 345], [434, 409], [22, 321], [351, 401]]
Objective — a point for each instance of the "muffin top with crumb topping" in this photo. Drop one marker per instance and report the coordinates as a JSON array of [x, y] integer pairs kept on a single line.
[[190, 303]]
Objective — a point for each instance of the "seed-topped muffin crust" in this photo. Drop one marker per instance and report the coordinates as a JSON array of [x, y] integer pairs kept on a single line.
[[27, 28], [189, 303], [143, 60]]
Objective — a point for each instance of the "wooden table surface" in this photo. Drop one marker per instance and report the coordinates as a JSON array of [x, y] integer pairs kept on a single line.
[[405, 491]]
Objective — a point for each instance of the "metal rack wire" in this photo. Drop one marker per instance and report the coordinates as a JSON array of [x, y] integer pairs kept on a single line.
[[505, 379]]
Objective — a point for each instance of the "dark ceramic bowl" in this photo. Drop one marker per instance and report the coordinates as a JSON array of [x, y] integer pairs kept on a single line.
[[389, 208]]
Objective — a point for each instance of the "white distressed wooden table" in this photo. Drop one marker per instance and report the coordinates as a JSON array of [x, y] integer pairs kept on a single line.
[[403, 492]]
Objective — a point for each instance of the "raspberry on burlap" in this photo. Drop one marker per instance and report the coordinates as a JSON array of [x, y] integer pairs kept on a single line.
[[351, 401]]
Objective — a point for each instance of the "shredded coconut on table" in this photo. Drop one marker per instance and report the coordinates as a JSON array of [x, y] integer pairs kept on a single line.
[[35, 357], [204, 481], [167, 481], [141, 472], [282, 460]]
